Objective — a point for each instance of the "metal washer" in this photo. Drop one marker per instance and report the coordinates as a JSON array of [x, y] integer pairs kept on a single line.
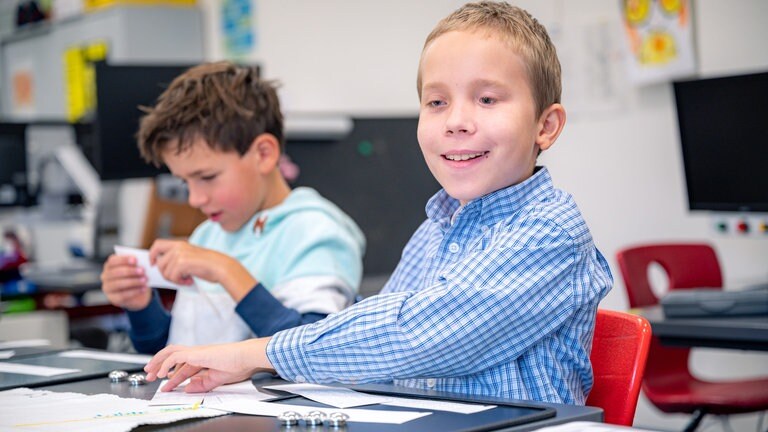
[[137, 379], [118, 376]]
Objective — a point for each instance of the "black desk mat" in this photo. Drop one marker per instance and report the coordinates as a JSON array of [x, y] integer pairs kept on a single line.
[[88, 368]]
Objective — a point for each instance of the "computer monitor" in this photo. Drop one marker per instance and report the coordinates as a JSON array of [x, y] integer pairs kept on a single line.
[[110, 145], [724, 141], [14, 190]]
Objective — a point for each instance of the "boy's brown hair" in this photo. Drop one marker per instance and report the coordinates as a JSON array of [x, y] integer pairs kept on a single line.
[[225, 104], [525, 35]]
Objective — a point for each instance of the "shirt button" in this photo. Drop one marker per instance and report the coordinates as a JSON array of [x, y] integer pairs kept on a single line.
[[431, 382], [453, 247], [484, 229], [300, 379]]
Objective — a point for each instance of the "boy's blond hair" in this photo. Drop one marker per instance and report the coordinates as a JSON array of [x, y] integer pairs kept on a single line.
[[525, 35], [225, 104]]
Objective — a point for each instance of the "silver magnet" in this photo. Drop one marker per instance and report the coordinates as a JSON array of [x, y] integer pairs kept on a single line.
[[314, 418], [337, 419], [137, 379], [289, 418], [118, 376]]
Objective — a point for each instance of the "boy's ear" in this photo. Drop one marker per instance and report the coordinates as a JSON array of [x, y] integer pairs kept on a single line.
[[550, 125], [266, 149]]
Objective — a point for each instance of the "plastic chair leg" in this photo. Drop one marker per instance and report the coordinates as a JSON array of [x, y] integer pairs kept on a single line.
[[696, 418]]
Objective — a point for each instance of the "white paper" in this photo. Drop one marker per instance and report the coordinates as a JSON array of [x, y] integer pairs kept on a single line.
[[29, 410], [25, 343], [589, 427], [437, 405], [108, 356], [355, 414], [25, 369], [242, 391], [7, 354], [176, 396], [154, 278], [338, 397]]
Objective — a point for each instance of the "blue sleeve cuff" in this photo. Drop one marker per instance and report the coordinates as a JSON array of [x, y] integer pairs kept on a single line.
[[265, 315], [150, 326]]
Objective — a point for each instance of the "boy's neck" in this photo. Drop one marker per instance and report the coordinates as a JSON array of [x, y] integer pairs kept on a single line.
[[277, 191]]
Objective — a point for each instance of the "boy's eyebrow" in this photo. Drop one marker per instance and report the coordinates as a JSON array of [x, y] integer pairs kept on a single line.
[[197, 173], [481, 82], [432, 86], [488, 83]]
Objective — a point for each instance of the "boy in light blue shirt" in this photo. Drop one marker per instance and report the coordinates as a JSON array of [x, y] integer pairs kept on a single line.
[[496, 292], [268, 258]]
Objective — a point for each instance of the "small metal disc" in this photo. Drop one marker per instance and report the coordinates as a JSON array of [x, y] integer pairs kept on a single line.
[[314, 418], [118, 376], [137, 379], [289, 418], [337, 419]]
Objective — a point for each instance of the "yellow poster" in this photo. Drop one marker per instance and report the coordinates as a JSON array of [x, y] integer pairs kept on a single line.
[[80, 78], [659, 39]]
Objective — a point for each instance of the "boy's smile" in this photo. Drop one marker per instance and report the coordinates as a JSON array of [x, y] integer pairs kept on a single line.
[[478, 128]]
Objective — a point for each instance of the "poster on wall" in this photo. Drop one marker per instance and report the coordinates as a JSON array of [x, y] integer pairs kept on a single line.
[[659, 40], [80, 77], [22, 89], [237, 28]]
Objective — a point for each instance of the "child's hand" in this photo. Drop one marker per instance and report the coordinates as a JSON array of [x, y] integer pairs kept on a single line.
[[208, 367], [124, 283], [178, 261]]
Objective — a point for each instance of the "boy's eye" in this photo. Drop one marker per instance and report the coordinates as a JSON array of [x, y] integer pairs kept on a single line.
[[435, 103], [208, 177], [487, 100]]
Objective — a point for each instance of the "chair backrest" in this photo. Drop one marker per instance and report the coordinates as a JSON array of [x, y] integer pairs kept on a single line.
[[619, 353], [687, 266]]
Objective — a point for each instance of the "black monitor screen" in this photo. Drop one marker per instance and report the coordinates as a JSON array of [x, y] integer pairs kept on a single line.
[[13, 165], [378, 176], [120, 90], [725, 149]]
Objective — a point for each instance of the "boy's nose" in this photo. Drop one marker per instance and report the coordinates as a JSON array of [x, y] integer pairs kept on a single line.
[[459, 120], [196, 199]]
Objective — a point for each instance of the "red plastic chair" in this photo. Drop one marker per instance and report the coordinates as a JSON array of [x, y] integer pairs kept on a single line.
[[619, 352], [668, 382]]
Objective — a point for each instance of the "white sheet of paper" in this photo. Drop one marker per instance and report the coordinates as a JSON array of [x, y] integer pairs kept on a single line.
[[338, 397], [25, 369], [108, 356], [583, 426], [30, 410], [355, 414], [437, 405], [175, 397], [7, 354], [25, 343], [242, 391], [154, 278]]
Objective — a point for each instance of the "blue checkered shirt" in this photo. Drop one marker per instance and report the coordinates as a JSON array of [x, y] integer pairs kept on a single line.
[[497, 298]]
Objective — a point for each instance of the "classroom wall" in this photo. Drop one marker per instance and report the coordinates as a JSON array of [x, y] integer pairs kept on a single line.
[[619, 154]]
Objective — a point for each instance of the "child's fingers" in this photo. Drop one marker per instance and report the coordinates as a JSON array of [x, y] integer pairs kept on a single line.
[[153, 366], [180, 374], [158, 248], [202, 383]]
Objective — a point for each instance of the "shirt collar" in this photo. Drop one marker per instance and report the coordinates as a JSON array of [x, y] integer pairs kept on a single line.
[[441, 206]]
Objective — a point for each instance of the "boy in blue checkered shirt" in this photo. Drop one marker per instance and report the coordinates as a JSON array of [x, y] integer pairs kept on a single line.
[[496, 292]]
